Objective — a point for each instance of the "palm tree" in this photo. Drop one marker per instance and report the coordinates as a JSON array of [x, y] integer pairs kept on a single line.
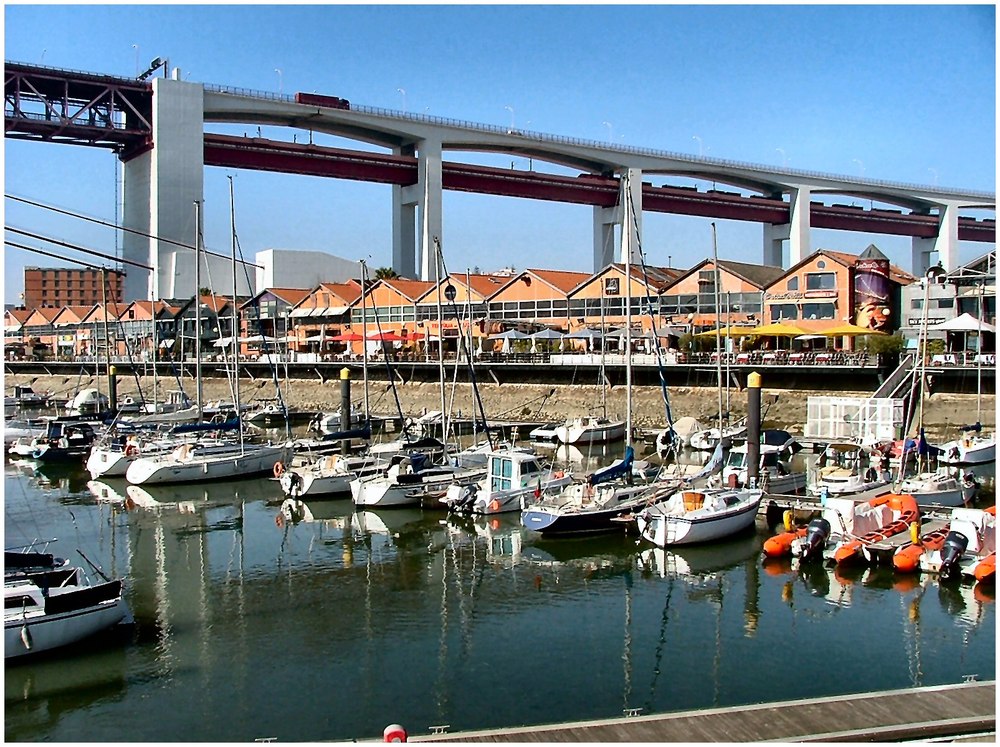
[[386, 273]]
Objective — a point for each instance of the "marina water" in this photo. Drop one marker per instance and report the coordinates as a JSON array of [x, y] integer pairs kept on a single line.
[[334, 627]]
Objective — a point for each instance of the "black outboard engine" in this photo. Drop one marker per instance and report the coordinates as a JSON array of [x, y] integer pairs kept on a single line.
[[954, 547], [817, 533], [466, 498]]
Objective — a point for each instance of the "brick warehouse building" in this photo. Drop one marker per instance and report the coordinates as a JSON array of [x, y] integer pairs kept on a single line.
[[63, 286]]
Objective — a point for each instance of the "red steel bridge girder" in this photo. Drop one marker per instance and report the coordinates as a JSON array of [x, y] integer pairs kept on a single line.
[[268, 155]]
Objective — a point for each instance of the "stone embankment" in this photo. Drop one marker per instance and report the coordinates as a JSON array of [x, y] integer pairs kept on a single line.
[[942, 412]]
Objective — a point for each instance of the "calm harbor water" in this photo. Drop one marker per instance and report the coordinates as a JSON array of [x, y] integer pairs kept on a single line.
[[333, 628]]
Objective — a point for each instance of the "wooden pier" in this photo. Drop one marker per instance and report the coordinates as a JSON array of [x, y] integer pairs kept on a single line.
[[945, 711]]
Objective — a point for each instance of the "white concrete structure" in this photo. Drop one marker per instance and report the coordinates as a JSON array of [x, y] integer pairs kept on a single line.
[[291, 268]]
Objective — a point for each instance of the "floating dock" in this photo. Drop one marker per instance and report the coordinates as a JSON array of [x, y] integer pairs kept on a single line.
[[922, 713]]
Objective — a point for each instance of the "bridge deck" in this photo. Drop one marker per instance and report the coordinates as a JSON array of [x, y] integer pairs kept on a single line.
[[919, 713]]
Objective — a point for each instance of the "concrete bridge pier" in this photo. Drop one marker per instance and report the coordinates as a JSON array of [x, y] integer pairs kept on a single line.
[[945, 244], [627, 213], [796, 232], [423, 199]]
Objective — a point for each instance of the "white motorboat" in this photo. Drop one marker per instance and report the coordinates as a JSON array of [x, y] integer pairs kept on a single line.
[[939, 488], [411, 479], [776, 474], [199, 462], [23, 428], [693, 516], [51, 605], [87, 402], [677, 436], [707, 439], [511, 476], [545, 433], [329, 475], [845, 468], [589, 430], [971, 450]]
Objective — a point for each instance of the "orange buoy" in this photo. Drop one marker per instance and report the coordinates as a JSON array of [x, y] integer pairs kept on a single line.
[[279, 469]]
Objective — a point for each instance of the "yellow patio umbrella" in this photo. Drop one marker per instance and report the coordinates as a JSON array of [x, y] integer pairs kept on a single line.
[[727, 332], [778, 329], [849, 330]]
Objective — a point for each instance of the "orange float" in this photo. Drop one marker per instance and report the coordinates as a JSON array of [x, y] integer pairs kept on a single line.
[[902, 504], [987, 568], [907, 559], [780, 545]]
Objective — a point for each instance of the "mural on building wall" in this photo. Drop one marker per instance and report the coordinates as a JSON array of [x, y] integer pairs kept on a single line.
[[872, 290]]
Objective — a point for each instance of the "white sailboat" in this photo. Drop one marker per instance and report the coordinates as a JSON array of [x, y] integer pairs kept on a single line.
[[693, 516], [202, 461]]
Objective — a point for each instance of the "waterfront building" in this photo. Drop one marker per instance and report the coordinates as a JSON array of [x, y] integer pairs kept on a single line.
[[97, 332], [533, 297], [600, 299], [70, 336], [820, 292], [135, 328], [268, 313], [293, 268], [216, 324], [323, 312], [39, 334], [969, 289], [64, 286], [13, 331], [690, 300]]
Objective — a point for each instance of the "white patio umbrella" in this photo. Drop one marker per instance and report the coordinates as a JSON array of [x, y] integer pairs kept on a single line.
[[546, 334], [510, 334], [965, 323], [586, 334]]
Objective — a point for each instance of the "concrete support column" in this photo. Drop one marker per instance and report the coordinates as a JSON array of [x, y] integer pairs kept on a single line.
[[796, 232], [425, 196], [605, 220], [404, 224], [945, 243], [630, 198], [161, 187], [625, 216]]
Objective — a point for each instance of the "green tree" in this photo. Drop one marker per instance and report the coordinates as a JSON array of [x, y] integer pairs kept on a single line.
[[386, 273]]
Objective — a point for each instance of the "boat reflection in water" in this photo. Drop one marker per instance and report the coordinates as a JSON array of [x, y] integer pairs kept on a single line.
[[434, 619]]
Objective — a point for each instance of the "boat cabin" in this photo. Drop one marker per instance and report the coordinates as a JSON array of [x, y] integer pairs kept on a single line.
[[512, 470]]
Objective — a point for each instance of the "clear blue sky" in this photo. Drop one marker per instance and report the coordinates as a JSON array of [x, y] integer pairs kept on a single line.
[[900, 92]]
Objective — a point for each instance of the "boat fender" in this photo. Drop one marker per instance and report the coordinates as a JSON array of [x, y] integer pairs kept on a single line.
[[494, 505], [279, 469], [64, 443], [26, 637], [394, 733], [915, 532], [786, 520], [129, 504], [131, 450]]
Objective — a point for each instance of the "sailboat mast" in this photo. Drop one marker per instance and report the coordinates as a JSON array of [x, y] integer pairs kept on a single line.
[[718, 334], [440, 315], [627, 240], [364, 335], [197, 308], [979, 356], [236, 314]]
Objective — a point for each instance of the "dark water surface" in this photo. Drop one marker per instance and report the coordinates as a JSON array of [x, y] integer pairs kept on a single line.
[[332, 629]]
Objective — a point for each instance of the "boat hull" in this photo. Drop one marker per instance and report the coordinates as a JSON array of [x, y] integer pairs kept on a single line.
[[229, 465], [665, 530]]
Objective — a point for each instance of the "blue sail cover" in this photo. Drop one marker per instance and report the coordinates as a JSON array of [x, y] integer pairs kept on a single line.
[[624, 467], [228, 425], [362, 433]]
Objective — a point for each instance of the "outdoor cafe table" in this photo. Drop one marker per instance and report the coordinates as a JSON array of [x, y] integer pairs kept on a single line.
[[743, 358], [796, 357], [987, 359], [824, 357]]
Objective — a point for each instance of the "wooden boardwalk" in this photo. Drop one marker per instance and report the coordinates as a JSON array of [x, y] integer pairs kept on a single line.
[[894, 715]]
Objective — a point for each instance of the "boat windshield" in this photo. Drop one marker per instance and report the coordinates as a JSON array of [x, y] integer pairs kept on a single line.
[[736, 459]]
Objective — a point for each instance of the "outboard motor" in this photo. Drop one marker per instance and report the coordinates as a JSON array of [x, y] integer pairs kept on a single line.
[[954, 547], [817, 533], [466, 497]]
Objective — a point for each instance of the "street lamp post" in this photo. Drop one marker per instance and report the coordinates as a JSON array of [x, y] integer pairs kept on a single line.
[[402, 92], [511, 110], [784, 159], [700, 150], [280, 82], [136, 48]]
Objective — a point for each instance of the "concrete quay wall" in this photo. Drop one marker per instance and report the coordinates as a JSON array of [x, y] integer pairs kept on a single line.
[[786, 408]]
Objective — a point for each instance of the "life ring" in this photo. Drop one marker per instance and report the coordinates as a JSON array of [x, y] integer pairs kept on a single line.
[[279, 520], [131, 450], [279, 469]]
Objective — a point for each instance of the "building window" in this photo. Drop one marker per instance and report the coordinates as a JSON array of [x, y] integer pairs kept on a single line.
[[780, 311], [821, 281], [611, 286], [793, 283], [819, 311]]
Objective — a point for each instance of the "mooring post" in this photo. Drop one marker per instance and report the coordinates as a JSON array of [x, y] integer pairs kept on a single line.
[[345, 407], [753, 429], [112, 389]]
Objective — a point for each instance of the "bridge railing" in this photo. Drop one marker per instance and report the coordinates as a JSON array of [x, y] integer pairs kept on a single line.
[[611, 150]]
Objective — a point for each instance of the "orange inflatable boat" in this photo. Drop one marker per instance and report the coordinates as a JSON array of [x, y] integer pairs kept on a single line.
[[904, 511]]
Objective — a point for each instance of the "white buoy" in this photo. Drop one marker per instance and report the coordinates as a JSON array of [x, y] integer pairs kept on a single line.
[[394, 733]]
